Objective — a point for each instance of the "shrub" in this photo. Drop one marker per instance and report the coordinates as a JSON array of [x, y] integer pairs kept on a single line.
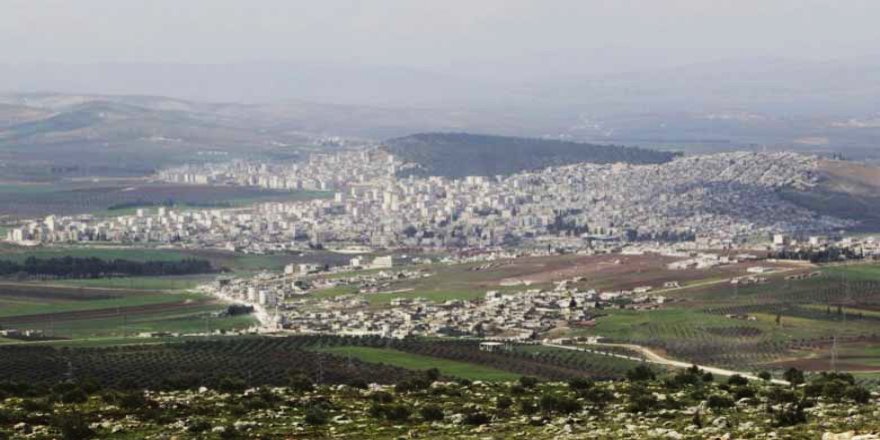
[[737, 380], [75, 395], [835, 390], [528, 381], [431, 413], [230, 384], [503, 402], [432, 374], [36, 405], [358, 383], [413, 384], [640, 400], [743, 392], [599, 397], [580, 384], [858, 394], [717, 402], [382, 397], [397, 413], [526, 407], [132, 400], [793, 376], [300, 382], [790, 415], [476, 418], [229, 433], [316, 415], [198, 425], [641, 373], [776, 395], [73, 427]]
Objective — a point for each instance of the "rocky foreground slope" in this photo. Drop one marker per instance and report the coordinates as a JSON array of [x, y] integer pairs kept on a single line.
[[688, 405]]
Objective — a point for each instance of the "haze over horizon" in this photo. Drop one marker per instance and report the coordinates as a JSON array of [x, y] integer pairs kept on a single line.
[[489, 51]]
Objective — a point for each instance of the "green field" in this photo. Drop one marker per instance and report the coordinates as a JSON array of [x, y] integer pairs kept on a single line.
[[105, 253], [21, 307], [184, 282], [418, 362], [88, 312], [243, 263], [855, 272], [193, 320]]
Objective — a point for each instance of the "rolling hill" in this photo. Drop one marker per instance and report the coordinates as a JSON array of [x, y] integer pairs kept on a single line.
[[845, 189], [463, 154]]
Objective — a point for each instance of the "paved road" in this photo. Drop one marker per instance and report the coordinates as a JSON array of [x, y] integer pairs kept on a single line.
[[652, 357]]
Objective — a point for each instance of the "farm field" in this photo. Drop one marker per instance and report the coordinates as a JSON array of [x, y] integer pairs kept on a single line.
[[221, 259], [419, 362], [19, 254], [179, 282], [87, 312], [765, 326], [603, 272], [189, 363]]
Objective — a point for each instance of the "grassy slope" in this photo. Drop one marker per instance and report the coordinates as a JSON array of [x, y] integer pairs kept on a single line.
[[127, 300]]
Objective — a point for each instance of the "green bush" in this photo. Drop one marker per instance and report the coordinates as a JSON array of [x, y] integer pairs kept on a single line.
[[316, 415], [641, 373], [431, 413], [73, 426], [717, 402]]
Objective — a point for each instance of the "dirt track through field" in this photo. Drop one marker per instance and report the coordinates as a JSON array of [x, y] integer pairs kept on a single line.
[[652, 357]]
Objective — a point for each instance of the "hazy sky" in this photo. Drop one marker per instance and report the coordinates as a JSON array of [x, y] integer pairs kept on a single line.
[[448, 34]]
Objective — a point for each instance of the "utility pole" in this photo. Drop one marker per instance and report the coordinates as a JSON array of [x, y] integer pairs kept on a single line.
[[834, 354]]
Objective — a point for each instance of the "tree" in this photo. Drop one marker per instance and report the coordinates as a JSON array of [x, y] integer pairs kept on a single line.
[[717, 402], [794, 376], [300, 382], [528, 381], [737, 380], [503, 403], [641, 373], [580, 384], [858, 394], [73, 426], [599, 397], [765, 376], [431, 413], [316, 415], [397, 413]]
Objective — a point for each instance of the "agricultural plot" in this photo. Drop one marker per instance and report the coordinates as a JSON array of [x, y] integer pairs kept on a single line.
[[235, 262], [772, 325], [173, 283], [605, 272], [419, 362], [19, 254], [269, 360], [190, 364], [74, 313]]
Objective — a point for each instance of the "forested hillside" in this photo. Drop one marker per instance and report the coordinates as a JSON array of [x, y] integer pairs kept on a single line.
[[463, 154]]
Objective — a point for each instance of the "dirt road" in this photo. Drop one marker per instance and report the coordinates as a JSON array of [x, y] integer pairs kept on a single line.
[[652, 357]]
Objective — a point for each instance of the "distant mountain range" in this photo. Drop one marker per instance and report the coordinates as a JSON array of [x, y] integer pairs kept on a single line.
[[461, 154]]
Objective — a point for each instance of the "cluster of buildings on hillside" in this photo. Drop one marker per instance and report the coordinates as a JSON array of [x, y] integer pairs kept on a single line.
[[717, 200], [521, 315], [323, 172]]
